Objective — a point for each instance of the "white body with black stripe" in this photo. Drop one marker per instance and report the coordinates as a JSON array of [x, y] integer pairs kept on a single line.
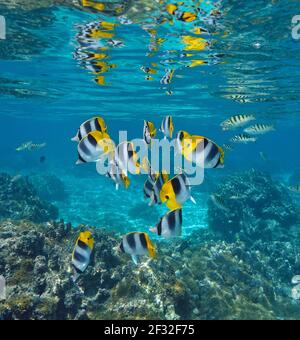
[[155, 194], [146, 133], [170, 225], [207, 155], [115, 174], [259, 129], [166, 127], [87, 127], [237, 122], [81, 257], [182, 189], [167, 78], [89, 150], [124, 158], [133, 246], [148, 188]]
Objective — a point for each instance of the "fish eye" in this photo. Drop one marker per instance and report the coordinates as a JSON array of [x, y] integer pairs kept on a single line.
[[167, 197]]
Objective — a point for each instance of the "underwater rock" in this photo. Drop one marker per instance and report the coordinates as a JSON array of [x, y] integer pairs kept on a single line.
[[48, 187], [256, 208], [195, 278], [19, 200]]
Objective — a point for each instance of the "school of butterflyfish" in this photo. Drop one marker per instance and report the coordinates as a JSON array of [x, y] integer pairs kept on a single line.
[[95, 145]]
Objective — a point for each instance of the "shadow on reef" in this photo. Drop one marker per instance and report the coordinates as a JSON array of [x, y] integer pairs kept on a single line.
[[255, 208], [196, 278], [19, 200]]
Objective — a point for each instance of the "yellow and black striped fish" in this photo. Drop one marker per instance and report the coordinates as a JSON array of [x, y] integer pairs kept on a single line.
[[149, 132], [170, 225], [127, 159], [158, 181], [95, 146], [118, 176], [200, 150], [236, 122], [167, 127], [172, 9], [137, 244], [167, 78], [176, 192], [94, 124], [82, 253]]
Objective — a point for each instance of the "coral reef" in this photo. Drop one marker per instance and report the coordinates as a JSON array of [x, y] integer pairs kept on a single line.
[[255, 207], [49, 187], [19, 200], [195, 278]]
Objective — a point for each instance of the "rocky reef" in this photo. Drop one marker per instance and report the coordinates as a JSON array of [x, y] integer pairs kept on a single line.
[[200, 277], [49, 187], [254, 207], [19, 200]]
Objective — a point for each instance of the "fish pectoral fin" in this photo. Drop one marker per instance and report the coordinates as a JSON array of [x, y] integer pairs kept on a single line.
[[193, 200], [79, 162], [135, 259]]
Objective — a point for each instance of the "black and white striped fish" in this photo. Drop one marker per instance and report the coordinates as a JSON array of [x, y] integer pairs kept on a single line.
[[148, 188], [243, 139], [160, 180], [167, 78], [82, 253], [117, 175], [167, 127], [137, 244], [259, 129], [200, 150], [94, 124], [94, 146], [149, 132], [126, 159], [170, 225], [236, 122], [176, 192]]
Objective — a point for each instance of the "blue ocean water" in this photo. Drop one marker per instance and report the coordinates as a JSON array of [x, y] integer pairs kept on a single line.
[[250, 65]]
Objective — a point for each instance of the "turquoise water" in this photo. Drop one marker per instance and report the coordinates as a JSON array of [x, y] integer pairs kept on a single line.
[[250, 65]]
